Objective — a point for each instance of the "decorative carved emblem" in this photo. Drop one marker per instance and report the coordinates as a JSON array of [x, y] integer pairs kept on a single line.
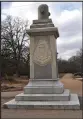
[[42, 53]]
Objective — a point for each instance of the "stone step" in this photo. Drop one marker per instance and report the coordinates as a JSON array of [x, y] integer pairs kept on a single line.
[[44, 97], [72, 104]]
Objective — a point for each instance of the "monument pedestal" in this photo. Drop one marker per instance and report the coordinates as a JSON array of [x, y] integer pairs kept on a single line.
[[44, 90], [44, 94]]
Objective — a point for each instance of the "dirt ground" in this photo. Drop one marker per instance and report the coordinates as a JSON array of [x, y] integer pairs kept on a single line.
[[38, 114], [69, 82], [16, 85], [74, 84]]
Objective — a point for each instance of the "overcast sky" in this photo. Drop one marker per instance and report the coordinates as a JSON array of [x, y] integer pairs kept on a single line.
[[67, 16]]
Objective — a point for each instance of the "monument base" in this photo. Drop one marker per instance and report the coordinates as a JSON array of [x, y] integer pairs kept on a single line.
[[72, 104], [44, 94], [44, 86]]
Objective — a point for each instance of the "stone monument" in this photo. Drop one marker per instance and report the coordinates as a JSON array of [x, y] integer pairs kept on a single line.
[[44, 90]]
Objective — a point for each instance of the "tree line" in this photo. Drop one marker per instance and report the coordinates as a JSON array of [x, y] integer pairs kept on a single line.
[[72, 65], [15, 54]]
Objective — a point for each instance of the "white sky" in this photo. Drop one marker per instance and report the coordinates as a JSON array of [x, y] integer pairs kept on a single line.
[[67, 16]]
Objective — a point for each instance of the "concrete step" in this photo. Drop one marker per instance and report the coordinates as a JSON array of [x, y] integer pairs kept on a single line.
[[65, 96], [72, 104]]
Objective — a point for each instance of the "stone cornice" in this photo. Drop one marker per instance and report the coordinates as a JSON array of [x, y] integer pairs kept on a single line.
[[44, 31]]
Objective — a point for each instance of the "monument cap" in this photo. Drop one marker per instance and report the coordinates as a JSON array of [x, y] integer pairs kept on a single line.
[[43, 12]]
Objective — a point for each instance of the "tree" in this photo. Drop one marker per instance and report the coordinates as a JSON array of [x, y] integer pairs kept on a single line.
[[63, 66], [72, 65], [14, 41], [76, 61]]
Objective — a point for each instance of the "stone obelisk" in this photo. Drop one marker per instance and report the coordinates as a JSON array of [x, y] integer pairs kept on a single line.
[[44, 90]]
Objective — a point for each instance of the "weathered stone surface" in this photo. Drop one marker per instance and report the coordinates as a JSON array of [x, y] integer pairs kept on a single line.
[[42, 72]]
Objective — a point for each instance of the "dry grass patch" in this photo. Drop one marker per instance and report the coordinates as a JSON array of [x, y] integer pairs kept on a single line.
[[13, 84]]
